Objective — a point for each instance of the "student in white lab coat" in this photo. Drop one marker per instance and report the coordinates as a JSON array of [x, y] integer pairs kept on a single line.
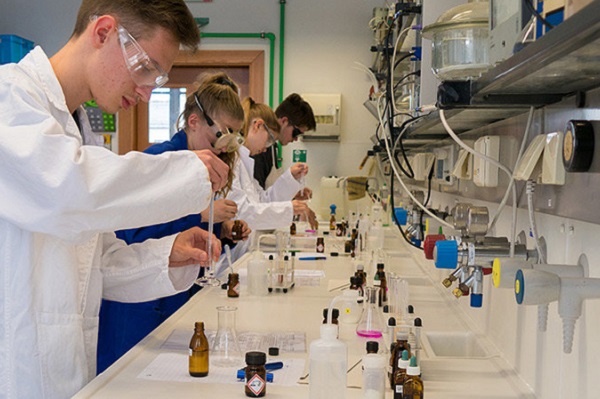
[[62, 199], [272, 208]]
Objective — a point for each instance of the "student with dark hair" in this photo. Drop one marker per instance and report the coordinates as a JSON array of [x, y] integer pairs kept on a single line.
[[296, 117]]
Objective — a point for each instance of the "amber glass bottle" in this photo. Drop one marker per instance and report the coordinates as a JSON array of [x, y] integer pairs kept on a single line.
[[198, 365], [237, 232], [413, 387], [233, 290], [256, 375]]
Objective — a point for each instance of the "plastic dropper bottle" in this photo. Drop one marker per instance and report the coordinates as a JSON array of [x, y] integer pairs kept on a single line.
[[413, 385], [400, 375]]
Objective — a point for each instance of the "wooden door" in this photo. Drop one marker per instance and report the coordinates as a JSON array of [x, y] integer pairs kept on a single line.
[[246, 68]]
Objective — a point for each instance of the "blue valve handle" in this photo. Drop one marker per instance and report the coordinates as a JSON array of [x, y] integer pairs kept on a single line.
[[476, 300], [519, 286], [446, 254], [401, 215]]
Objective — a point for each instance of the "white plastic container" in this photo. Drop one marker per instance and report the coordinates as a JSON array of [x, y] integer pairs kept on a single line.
[[258, 283], [328, 365], [350, 309], [374, 376]]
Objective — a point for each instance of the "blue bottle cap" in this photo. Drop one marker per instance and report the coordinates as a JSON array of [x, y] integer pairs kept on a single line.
[[401, 215], [333, 208], [446, 254], [476, 300]]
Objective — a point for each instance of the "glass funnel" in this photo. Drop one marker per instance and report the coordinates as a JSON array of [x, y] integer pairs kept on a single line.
[[371, 323], [225, 348]]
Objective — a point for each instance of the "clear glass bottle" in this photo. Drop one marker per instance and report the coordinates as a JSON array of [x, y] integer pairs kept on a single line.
[[198, 359], [371, 324]]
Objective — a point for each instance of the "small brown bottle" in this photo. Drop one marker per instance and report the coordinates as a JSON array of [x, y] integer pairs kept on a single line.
[[396, 349], [233, 290], [320, 245], [382, 283], [400, 375], [413, 387], [256, 375], [198, 364], [332, 224], [293, 228], [237, 232]]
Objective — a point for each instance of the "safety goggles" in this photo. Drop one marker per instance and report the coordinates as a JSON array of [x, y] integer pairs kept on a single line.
[[229, 139], [144, 71], [296, 132], [271, 140]]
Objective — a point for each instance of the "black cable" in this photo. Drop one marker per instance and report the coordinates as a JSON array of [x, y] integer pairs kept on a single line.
[[396, 218], [429, 178], [398, 61], [416, 73], [529, 4]]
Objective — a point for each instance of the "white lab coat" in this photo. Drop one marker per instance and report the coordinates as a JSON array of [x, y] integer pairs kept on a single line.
[[262, 209], [59, 203]]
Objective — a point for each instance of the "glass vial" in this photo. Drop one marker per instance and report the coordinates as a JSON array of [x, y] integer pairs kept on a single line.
[[233, 290], [198, 359], [256, 375]]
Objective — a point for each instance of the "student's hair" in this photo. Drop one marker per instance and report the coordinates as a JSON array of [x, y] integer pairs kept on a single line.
[[254, 110], [298, 112], [142, 17], [219, 97]]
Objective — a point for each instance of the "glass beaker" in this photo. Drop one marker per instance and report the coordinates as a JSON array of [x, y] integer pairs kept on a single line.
[[371, 323], [225, 348]]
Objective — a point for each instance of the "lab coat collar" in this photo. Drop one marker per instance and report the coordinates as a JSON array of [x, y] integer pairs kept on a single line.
[[37, 64], [248, 162]]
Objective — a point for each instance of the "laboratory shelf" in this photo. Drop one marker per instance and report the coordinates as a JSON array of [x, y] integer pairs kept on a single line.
[[564, 62]]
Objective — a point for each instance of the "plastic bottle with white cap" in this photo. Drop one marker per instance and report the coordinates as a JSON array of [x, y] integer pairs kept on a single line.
[[328, 363], [374, 373]]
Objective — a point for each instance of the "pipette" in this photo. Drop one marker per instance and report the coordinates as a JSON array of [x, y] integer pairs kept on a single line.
[[228, 254], [209, 278]]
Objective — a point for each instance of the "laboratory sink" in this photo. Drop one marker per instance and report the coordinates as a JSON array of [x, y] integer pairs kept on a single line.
[[457, 344]]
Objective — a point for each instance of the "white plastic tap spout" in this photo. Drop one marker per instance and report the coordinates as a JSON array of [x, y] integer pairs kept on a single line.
[[505, 269], [573, 291]]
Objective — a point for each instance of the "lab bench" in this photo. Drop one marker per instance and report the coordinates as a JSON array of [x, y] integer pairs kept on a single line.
[[456, 362]]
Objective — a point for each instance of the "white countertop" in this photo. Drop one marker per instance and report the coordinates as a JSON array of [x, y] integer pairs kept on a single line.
[[483, 375]]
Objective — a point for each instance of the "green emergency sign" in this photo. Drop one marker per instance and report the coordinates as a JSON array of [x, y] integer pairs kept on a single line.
[[299, 156]]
